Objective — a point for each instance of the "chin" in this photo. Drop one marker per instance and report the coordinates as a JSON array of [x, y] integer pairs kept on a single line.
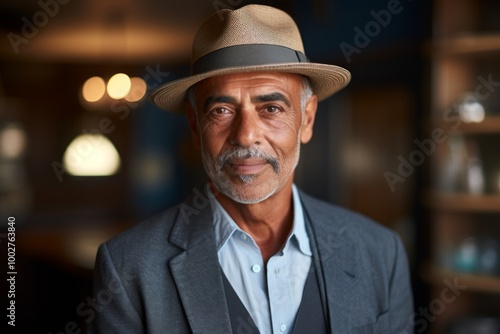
[[245, 192], [243, 199]]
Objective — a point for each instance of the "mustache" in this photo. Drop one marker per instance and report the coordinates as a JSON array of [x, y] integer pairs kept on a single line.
[[247, 153]]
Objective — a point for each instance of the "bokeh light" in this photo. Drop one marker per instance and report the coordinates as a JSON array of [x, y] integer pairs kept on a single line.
[[93, 89], [12, 141], [137, 90], [91, 155], [119, 86]]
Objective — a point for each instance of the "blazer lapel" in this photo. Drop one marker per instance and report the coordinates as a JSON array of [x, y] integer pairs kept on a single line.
[[196, 271], [336, 257]]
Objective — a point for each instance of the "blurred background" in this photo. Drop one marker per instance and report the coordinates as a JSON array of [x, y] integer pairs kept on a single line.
[[413, 142]]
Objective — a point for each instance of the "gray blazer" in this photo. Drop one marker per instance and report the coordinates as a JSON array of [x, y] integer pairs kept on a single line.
[[163, 275]]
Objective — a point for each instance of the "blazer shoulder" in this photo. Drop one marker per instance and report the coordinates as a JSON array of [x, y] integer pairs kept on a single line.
[[335, 218], [142, 239]]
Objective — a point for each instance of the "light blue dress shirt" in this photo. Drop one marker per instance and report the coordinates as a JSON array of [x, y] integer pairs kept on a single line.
[[271, 293]]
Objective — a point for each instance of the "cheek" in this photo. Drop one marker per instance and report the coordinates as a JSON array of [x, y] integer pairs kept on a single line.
[[212, 138], [284, 138], [287, 124]]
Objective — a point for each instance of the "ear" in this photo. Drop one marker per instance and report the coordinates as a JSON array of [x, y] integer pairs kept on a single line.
[[193, 125], [308, 119]]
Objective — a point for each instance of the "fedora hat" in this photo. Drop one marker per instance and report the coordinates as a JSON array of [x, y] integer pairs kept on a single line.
[[254, 38]]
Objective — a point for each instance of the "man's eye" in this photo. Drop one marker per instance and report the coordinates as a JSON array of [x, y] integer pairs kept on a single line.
[[272, 109], [220, 111]]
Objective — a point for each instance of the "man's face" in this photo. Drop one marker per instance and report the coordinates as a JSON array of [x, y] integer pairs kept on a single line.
[[249, 127]]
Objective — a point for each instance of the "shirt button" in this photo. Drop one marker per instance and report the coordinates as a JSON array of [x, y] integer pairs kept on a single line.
[[282, 327], [255, 268], [243, 236], [276, 271]]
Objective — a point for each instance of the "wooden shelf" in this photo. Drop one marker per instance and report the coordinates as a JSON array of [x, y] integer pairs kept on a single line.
[[463, 202], [490, 125], [467, 45], [479, 283]]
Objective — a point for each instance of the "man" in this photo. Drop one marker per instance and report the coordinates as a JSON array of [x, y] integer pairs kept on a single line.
[[251, 253]]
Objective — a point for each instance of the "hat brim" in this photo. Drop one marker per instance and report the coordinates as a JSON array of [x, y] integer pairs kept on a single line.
[[325, 80]]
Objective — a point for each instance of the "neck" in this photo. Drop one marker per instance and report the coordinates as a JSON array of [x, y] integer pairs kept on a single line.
[[268, 222]]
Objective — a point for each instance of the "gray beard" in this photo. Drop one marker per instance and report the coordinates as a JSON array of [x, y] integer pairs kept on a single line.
[[215, 170]]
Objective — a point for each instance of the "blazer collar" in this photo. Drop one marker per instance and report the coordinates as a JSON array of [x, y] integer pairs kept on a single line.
[[196, 271]]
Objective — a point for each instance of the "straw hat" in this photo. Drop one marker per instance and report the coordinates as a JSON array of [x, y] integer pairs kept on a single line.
[[250, 39]]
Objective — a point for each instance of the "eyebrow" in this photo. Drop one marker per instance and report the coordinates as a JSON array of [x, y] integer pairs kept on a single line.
[[219, 99], [257, 99], [272, 97]]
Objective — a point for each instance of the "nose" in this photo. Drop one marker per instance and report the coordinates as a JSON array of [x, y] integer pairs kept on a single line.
[[245, 129]]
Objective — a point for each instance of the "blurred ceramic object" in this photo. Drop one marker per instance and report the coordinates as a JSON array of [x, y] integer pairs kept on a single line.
[[474, 174], [452, 167], [467, 256], [489, 262], [470, 109]]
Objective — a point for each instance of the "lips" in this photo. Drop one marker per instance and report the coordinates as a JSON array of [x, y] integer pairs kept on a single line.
[[246, 166]]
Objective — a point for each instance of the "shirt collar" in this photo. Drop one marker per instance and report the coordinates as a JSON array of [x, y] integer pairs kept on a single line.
[[299, 225], [225, 226]]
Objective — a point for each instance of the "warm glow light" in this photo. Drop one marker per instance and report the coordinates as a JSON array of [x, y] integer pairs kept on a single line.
[[93, 89], [137, 90], [91, 155], [12, 141], [119, 86]]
